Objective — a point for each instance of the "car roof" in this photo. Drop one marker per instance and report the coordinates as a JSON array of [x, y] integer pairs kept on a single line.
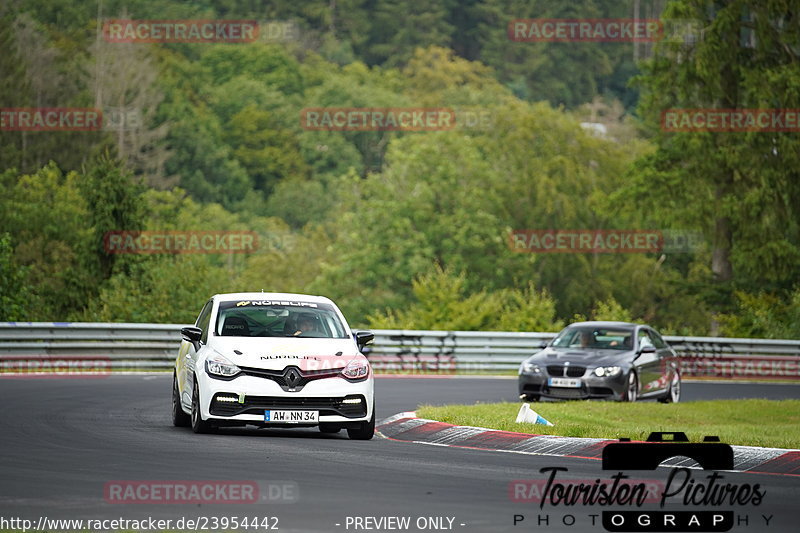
[[608, 324], [272, 296]]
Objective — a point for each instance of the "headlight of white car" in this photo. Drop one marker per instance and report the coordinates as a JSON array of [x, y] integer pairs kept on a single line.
[[529, 368], [607, 371], [356, 369], [218, 365]]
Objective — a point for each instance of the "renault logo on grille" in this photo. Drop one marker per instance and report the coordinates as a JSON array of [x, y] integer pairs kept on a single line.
[[292, 377]]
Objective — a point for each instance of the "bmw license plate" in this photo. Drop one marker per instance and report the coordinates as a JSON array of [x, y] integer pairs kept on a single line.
[[564, 382], [291, 416]]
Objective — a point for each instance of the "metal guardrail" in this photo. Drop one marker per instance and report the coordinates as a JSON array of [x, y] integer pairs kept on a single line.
[[154, 347]]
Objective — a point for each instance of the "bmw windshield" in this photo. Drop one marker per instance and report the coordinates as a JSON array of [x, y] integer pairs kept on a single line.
[[593, 338], [253, 318]]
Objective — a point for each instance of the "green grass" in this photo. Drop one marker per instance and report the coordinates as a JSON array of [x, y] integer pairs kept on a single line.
[[769, 423]]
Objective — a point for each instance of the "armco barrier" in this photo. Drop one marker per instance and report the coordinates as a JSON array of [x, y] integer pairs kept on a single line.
[[154, 346]]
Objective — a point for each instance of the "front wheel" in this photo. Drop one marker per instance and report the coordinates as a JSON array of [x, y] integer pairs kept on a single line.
[[673, 394], [198, 424], [366, 430], [179, 418], [632, 389]]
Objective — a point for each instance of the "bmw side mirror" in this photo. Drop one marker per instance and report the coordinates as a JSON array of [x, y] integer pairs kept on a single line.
[[191, 334], [543, 345], [648, 349], [363, 338]]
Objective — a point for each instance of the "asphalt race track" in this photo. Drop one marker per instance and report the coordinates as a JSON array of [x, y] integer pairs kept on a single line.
[[63, 440]]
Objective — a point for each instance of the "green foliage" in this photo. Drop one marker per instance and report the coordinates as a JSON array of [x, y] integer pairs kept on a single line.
[[764, 315], [46, 214], [14, 292], [739, 188], [441, 303], [415, 224], [114, 202], [611, 310], [267, 152], [163, 289]]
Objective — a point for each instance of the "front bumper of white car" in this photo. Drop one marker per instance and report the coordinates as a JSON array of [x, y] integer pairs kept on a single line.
[[337, 400]]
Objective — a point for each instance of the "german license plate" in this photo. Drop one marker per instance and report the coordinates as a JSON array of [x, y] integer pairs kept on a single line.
[[564, 382], [291, 416]]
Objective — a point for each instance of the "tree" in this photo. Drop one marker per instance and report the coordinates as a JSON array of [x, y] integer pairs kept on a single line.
[[742, 188], [46, 214], [441, 302], [40, 73], [268, 152], [124, 81], [114, 200], [14, 291]]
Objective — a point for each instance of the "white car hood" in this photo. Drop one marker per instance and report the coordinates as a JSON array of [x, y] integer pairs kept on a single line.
[[276, 353]]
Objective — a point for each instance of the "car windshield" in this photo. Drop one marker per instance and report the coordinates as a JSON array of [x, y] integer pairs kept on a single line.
[[594, 338], [253, 318]]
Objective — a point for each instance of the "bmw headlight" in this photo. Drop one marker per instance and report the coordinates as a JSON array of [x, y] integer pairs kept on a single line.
[[218, 365], [356, 369], [529, 368], [607, 371]]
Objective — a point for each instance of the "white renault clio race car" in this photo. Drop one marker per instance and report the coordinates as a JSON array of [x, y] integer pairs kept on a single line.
[[273, 360]]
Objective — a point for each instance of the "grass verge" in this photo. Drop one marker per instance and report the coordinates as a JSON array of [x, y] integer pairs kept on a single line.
[[769, 423]]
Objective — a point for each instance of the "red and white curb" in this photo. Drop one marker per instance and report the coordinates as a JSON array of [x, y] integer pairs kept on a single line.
[[408, 428]]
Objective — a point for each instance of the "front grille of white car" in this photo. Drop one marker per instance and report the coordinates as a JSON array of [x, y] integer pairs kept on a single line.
[[284, 379]]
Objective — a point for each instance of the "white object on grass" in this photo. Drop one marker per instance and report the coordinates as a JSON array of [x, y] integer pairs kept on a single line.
[[528, 415]]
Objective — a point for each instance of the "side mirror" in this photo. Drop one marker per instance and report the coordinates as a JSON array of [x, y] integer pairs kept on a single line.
[[648, 349], [363, 338], [191, 334], [543, 345]]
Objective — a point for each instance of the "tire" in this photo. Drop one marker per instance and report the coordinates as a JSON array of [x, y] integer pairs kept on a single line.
[[673, 394], [198, 424], [329, 428], [531, 397], [365, 431], [632, 388], [179, 418]]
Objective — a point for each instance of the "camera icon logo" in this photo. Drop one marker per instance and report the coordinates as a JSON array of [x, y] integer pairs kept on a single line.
[[711, 454]]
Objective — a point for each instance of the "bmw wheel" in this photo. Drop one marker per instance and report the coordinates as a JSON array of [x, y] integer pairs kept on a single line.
[[632, 389], [179, 418], [673, 394]]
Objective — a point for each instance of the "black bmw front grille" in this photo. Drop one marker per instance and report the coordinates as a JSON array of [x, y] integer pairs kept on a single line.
[[256, 405], [569, 371]]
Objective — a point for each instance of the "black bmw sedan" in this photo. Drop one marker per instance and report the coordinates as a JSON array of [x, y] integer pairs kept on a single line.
[[611, 360]]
